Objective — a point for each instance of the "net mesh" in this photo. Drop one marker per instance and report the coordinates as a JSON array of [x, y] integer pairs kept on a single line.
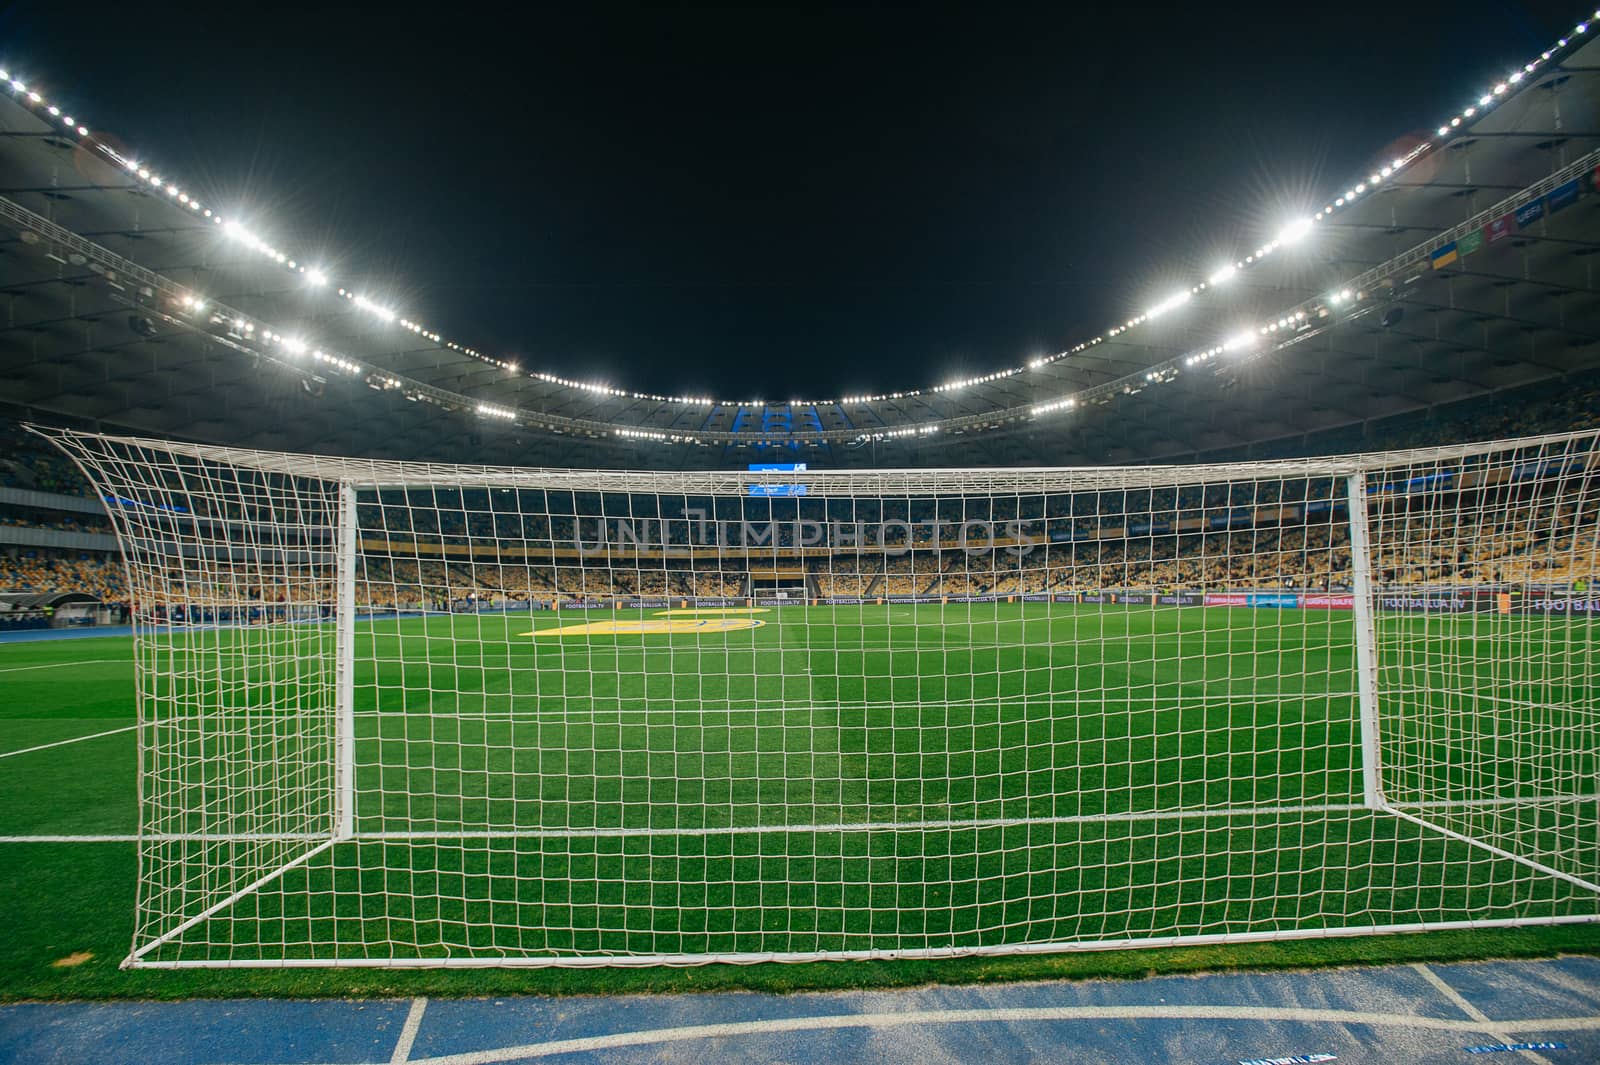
[[607, 718]]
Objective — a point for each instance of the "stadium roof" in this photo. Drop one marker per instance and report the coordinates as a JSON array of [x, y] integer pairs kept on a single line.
[[1461, 267]]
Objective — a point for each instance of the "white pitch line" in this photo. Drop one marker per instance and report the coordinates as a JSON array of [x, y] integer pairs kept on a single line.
[[408, 1033], [57, 665], [824, 828], [580, 647], [1006, 1015], [848, 826], [63, 743], [623, 831], [70, 839], [1026, 702]]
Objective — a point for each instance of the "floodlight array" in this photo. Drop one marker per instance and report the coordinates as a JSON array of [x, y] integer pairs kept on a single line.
[[901, 433], [315, 276], [655, 435]]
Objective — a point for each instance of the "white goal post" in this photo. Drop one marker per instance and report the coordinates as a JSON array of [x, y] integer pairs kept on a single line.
[[406, 714]]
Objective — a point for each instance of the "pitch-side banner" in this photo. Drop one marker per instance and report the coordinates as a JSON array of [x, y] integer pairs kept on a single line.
[[1287, 600], [1434, 603], [1578, 606], [1328, 602], [1449, 601]]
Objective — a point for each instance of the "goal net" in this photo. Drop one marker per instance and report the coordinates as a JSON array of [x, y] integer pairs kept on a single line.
[[408, 714]]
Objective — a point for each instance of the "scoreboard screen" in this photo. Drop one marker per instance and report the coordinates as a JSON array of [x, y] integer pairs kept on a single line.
[[772, 491]]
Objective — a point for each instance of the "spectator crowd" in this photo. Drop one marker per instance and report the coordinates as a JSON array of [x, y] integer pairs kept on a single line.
[[450, 548]]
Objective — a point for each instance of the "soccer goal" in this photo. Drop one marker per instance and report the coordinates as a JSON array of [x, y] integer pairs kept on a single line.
[[401, 714]]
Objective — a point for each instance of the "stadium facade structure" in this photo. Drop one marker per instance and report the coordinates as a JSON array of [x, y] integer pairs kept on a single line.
[[1466, 270]]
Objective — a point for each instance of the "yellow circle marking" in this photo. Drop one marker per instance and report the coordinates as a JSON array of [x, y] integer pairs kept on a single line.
[[650, 626]]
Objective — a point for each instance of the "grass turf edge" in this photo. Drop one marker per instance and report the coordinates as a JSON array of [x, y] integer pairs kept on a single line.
[[86, 912], [103, 981]]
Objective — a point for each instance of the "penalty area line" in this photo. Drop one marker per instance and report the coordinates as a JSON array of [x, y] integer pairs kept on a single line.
[[63, 743], [58, 665]]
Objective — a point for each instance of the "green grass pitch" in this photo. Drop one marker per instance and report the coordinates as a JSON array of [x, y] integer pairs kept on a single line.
[[673, 793]]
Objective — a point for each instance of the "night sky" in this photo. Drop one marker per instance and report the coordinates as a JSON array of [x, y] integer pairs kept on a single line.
[[777, 201]]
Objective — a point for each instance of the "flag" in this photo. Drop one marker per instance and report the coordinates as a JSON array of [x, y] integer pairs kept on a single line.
[[1529, 213], [1470, 243], [1562, 196], [1499, 229], [1444, 256]]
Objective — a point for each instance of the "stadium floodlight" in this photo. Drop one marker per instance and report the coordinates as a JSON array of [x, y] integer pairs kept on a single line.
[[1172, 302], [1294, 231], [408, 714]]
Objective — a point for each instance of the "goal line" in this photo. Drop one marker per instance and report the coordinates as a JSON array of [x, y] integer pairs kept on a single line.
[[825, 827]]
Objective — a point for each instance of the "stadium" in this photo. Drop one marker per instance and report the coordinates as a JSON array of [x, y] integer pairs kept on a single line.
[[346, 660]]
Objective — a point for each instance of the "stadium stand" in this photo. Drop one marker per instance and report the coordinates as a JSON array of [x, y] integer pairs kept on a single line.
[[1104, 552]]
